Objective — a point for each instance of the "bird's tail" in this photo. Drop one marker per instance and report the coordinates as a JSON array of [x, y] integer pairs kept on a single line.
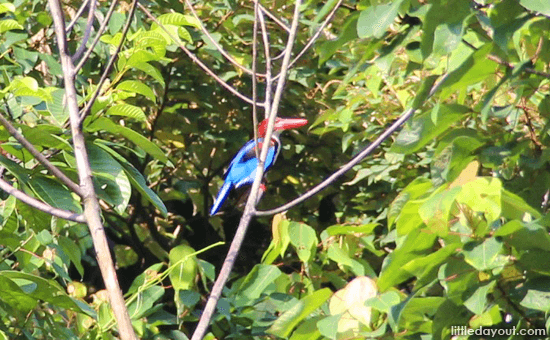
[[222, 196]]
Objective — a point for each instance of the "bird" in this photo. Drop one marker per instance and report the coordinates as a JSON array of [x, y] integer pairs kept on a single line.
[[242, 169]]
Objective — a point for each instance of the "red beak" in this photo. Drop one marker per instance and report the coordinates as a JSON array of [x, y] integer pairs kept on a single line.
[[282, 124]]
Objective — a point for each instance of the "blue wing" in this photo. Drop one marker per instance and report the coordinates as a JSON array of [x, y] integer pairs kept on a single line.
[[242, 170]]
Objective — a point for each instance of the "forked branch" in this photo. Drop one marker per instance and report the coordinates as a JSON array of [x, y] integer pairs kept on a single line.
[[250, 207], [356, 160], [91, 203]]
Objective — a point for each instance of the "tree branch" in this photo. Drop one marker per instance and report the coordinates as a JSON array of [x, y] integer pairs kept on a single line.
[[91, 204], [97, 37], [77, 16], [197, 60], [39, 156], [252, 198], [87, 31], [33, 202], [215, 43], [268, 78], [356, 160], [107, 70], [312, 40], [273, 17], [254, 77]]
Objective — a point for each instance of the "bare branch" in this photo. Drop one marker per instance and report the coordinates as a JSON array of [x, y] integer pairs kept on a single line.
[[315, 36], [254, 78], [268, 79], [356, 160], [273, 17], [508, 65], [215, 43], [109, 66], [252, 198], [91, 203], [33, 202], [77, 16], [87, 31], [97, 37], [39, 156], [197, 60]]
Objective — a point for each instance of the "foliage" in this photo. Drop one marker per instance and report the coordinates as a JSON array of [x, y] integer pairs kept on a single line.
[[449, 219]]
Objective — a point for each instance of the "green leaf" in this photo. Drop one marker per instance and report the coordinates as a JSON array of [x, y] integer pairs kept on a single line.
[[415, 189], [489, 318], [529, 236], [256, 282], [423, 93], [9, 24], [110, 180], [375, 20], [307, 330], [483, 256], [184, 267], [304, 240], [477, 302], [384, 302], [351, 230], [483, 194], [435, 212], [541, 6], [422, 130], [54, 194], [336, 254], [105, 124], [46, 290], [151, 71], [441, 13], [279, 242], [179, 19], [127, 110], [144, 302], [284, 324], [537, 296], [348, 32], [20, 173], [137, 180], [474, 70], [137, 87], [414, 244], [515, 207], [7, 7], [12, 295], [71, 249]]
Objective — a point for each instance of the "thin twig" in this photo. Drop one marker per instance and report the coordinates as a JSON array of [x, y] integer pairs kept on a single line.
[[252, 198], [100, 32], [274, 18], [315, 36], [268, 79], [354, 161], [503, 62], [77, 16], [87, 30], [90, 201], [214, 42], [107, 70], [197, 60], [254, 78], [33, 202], [39, 156]]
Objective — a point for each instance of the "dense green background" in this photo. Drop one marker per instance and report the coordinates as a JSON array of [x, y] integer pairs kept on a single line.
[[448, 217]]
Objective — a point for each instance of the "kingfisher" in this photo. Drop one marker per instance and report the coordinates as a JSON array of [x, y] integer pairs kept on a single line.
[[242, 169]]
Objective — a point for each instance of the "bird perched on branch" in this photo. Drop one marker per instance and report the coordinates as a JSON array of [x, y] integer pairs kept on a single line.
[[242, 169]]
